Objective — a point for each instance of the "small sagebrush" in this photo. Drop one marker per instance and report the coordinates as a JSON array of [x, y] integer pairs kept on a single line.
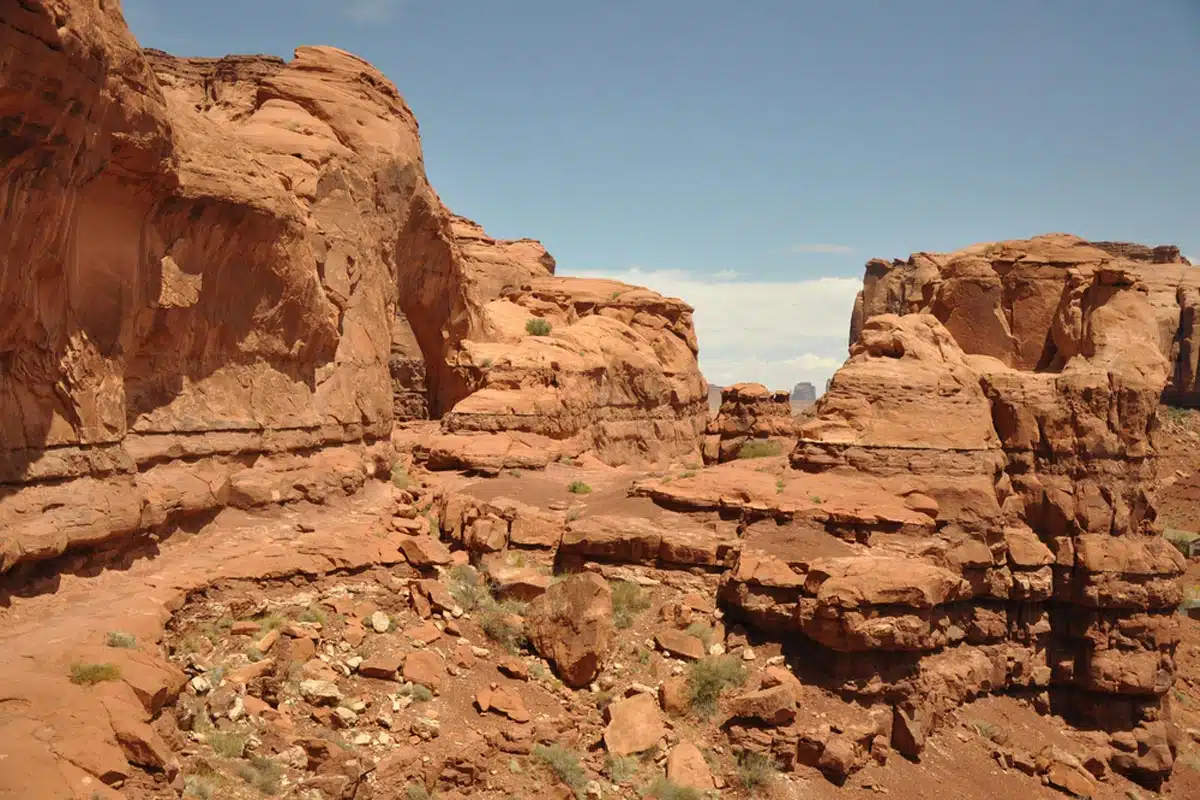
[[421, 693], [467, 588], [415, 791], [497, 623], [620, 769], [536, 326], [314, 613], [91, 674], [628, 600], [227, 744], [663, 789], [121, 639], [755, 771], [759, 449], [261, 773], [197, 788], [563, 763], [709, 677], [579, 487]]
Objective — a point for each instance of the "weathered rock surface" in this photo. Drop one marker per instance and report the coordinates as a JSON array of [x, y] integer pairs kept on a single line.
[[224, 279], [571, 625], [634, 725], [749, 413], [998, 409], [615, 373]]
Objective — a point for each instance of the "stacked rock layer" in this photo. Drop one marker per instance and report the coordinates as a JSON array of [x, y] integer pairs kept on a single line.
[[224, 279], [1006, 396]]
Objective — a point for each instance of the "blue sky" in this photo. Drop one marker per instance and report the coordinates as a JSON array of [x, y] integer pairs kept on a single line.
[[750, 156]]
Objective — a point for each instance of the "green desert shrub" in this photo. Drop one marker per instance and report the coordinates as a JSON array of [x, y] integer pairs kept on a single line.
[[759, 448], [709, 677], [91, 674], [628, 600], [121, 639], [663, 789], [755, 771], [536, 326], [564, 764]]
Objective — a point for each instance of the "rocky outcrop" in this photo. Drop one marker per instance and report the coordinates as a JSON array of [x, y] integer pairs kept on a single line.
[[751, 415], [569, 365], [1001, 299], [224, 279], [998, 410]]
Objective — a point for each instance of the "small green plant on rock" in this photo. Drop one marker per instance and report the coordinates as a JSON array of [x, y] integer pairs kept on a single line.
[[536, 326], [91, 674], [261, 773], [314, 613], [663, 789], [563, 763], [759, 449], [270, 622], [816, 499], [197, 788], [708, 678], [227, 743], [467, 588], [120, 639], [579, 487], [497, 622], [755, 771], [421, 693], [628, 600], [779, 486], [620, 769]]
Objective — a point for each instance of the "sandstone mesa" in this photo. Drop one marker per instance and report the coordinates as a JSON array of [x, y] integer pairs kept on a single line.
[[273, 412]]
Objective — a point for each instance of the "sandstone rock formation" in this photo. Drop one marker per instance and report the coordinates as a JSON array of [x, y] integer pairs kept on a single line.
[[615, 373], [224, 280], [750, 413], [1006, 424]]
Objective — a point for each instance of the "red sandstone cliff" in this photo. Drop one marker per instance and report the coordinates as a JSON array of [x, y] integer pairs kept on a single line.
[[970, 507], [221, 281]]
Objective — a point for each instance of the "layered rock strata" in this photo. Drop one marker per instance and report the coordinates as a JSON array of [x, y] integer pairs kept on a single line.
[[1006, 422], [749, 414], [612, 369], [222, 266]]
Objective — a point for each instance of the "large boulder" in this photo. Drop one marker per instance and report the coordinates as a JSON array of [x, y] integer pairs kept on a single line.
[[571, 626]]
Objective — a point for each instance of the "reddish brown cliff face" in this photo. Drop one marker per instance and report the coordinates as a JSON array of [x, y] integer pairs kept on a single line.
[[222, 280], [1017, 395], [969, 508]]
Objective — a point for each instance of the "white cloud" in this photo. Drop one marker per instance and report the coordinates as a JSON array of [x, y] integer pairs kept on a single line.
[[773, 332], [836, 249], [370, 11]]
